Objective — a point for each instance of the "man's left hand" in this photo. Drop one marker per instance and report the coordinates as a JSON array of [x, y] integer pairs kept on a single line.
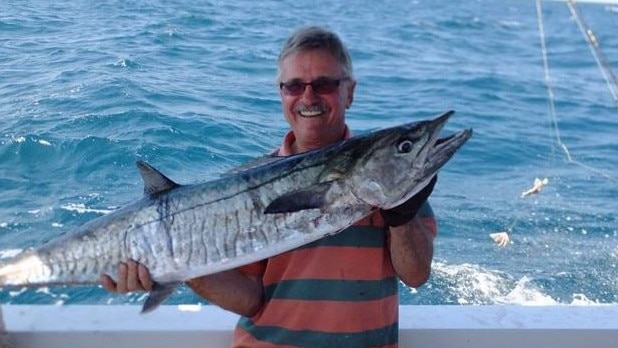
[[406, 211]]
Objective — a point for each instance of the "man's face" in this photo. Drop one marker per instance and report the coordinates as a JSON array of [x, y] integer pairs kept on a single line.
[[315, 114]]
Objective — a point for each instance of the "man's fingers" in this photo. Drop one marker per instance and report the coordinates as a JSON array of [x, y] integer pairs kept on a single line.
[[108, 283], [133, 283], [144, 277], [132, 276], [121, 286]]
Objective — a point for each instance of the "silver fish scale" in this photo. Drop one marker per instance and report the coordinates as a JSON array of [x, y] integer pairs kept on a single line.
[[214, 228]]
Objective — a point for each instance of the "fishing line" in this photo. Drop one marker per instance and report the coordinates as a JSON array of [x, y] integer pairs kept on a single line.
[[550, 94], [502, 238], [597, 53]]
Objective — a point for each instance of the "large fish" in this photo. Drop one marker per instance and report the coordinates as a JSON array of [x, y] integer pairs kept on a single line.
[[184, 231]]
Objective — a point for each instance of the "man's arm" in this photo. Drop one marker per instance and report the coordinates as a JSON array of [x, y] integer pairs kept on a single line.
[[230, 290], [411, 247], [411, 237]]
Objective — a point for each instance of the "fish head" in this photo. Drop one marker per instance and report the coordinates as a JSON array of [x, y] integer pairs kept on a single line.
[[398, 162]]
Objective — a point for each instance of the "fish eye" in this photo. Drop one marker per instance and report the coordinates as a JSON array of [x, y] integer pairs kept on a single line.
[[405, 146]]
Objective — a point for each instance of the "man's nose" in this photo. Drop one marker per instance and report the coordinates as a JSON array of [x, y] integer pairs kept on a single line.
[[309, 94]]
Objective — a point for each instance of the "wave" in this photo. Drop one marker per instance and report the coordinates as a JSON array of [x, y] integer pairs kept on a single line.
[[469, 284]]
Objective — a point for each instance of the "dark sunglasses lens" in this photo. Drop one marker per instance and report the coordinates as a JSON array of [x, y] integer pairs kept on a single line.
[[325, 86], [293, 87]]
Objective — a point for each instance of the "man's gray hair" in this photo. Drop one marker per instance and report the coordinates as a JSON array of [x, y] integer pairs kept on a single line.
[[316, 38]]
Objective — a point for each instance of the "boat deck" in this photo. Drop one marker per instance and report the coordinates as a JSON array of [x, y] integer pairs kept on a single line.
[[208, 326]]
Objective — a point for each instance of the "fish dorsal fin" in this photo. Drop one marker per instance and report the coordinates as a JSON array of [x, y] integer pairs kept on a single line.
[[154, 181]]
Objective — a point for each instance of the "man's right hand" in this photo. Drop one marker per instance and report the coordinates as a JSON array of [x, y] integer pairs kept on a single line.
[[132, 276]]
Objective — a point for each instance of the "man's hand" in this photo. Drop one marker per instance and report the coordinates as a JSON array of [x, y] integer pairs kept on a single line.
[[406, 211], [132, 276]]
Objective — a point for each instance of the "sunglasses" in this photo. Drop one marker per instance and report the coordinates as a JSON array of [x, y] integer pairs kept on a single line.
[[322, 85]]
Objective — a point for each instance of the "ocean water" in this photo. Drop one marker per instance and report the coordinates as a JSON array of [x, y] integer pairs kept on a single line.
[[87, 88]]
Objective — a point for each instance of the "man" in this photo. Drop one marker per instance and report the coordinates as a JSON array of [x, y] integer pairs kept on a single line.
[[340, 291]]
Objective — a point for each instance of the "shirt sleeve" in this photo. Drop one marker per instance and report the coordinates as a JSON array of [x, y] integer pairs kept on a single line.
[[253, 269]]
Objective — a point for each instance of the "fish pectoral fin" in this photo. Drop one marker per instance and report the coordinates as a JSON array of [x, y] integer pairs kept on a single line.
[[310, 198], [154, 181], [158, 295]]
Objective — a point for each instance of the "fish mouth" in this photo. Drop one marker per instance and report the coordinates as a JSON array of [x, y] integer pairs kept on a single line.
[[443, 149], [435, 152]]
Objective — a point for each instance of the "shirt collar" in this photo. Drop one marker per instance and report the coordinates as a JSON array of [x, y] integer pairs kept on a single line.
[[286, 145]]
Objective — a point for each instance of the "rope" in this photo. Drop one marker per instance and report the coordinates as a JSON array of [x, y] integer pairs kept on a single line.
[[597, 53]]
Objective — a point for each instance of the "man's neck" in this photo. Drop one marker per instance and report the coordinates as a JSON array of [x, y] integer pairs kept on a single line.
[[291, 145]]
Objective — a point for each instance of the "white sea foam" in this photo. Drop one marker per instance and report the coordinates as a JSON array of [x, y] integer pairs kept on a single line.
[[470, 283], [473, 284], [583, 300], [81, 208], [43, 290], [525, 293], [18, 292]]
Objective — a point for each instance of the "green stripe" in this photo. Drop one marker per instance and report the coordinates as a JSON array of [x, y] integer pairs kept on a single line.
[[305, 338], [354, 236], [332, 290]]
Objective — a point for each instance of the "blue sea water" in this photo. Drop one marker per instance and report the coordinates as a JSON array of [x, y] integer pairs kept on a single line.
[[88, 87]]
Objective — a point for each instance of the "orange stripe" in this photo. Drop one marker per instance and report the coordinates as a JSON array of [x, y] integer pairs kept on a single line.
[[374, 219], [243, 339], [329, 262], [329, 316]]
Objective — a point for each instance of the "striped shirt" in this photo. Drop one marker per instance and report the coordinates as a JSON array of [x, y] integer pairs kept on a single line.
[[339, 291]]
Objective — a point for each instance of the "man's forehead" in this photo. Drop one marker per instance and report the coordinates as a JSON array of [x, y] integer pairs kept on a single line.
[[318, 63]]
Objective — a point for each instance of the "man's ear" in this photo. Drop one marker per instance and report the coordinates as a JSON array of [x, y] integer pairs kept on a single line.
[[351, 87]]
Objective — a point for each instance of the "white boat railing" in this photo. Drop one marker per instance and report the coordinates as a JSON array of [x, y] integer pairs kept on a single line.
[[208, 326]]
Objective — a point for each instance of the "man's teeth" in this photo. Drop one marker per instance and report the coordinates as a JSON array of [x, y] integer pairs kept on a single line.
[[308, 113]]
